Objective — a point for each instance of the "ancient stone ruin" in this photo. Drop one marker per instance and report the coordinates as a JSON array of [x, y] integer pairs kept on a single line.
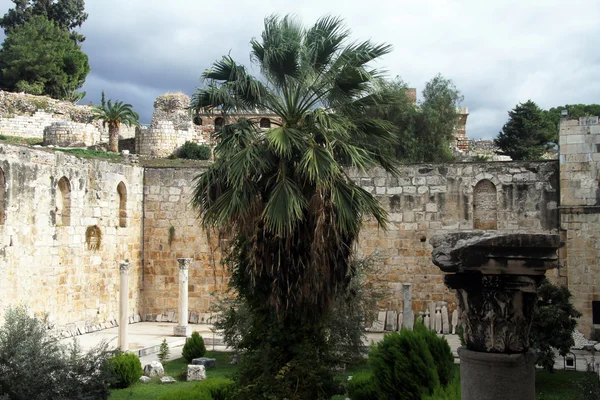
[[496, 276]]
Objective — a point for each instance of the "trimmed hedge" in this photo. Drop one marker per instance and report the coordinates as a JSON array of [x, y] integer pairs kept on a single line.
[[125, 369], [193, 347], [194, 151]]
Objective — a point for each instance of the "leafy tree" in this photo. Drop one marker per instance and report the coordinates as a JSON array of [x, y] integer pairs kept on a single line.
[[575, 111], [527, 134], [39, 57], [36, 366], [292, 211], [424, 131], [114, 115], [553, 324], [66, 14], [437, 120]]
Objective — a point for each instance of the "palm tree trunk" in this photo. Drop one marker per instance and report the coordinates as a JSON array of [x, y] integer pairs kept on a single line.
[[113, 138]]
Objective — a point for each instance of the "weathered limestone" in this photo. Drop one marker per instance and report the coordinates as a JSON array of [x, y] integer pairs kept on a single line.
[[408, 317], [496, 277], [155, 368], [454, 321], [123, 305], [196, 373], [445, 322], [206, 361], [182, 328]]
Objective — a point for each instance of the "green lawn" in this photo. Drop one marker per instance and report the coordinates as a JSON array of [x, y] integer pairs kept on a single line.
[[559, 385], [174, 368]]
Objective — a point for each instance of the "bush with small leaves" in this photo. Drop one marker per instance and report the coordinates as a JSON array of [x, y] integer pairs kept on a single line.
[[403, 367], [362, 387], [193, 347], [163, 353], [34, 365], [125, 369], [194, 151], [440, 351]]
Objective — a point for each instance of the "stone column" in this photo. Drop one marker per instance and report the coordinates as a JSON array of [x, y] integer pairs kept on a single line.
[[182, 328], [123, 305], [496, 277], [408, 318]]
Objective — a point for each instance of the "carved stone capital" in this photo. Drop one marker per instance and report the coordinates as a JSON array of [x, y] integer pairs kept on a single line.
[[184, 263], [124, 267], [497, 310]]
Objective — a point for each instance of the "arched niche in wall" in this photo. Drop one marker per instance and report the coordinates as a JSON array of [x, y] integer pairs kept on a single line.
[[63, 202], [265, 123], [122, 194], [219, 122], [485, 205], [93, 238], [197, 120], [2, 197]]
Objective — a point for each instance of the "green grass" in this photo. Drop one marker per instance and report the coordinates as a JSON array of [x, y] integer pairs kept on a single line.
[[566, 385], [173, 162], [154, 390], [94, 154], [17, 140], [559, 385]]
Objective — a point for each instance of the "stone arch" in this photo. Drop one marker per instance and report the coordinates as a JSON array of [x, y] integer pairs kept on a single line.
[[485, 205], [122, 192], [93, 238], [197, 120], [265, 123], [63, 202], [2, 197], [219, 122]]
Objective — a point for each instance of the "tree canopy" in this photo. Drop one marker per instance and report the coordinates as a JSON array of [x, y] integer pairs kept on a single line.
[[528, 134], [40, 58], [283, 193], [574, 111], [424, 130], [66, 14]]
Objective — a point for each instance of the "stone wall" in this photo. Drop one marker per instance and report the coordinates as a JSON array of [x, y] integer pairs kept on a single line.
[[64, 226], [70, 134], [424, 200], [580, 215], [27, 116]]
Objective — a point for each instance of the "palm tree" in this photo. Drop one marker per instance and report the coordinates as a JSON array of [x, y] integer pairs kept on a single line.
[[114, 115], [284, 194]]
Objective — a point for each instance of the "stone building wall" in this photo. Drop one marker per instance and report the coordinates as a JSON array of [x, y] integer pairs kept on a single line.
[[70, 134], [424, 200], [64, 226], [27, 116], [580, 215]]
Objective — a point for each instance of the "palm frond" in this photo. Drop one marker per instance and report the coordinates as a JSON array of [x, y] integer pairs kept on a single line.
[[284, 208]]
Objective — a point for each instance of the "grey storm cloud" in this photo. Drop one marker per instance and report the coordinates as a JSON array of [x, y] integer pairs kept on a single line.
[[498, 52]]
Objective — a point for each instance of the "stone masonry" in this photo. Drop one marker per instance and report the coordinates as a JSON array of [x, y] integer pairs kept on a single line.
[[65, 226], [580, 215]]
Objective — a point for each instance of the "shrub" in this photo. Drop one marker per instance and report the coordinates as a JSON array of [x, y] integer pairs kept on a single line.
[[194, 151], [553, 323], [403, 367], [219, 388], [193, 347], [125, 369], [362, 387], [450, 392], [35, 365], [163, 353], [440, 351]]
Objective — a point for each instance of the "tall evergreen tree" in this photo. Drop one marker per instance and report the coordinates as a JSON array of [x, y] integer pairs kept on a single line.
[[285, 197], [66, 14], [39, 58], [527, 135]]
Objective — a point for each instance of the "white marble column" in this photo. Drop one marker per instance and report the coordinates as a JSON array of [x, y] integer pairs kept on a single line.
[[182, 328], [123, 305]]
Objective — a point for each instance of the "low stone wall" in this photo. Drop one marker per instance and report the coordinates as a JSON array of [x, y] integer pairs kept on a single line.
[[26, 115], [71, 134]]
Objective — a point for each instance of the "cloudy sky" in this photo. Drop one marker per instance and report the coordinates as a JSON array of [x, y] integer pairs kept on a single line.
[[497, 52]]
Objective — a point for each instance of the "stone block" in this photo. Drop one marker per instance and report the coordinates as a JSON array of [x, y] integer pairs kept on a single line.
[[207, 362], [182, 331], [154, 368], [196, 373], [167, 380]]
